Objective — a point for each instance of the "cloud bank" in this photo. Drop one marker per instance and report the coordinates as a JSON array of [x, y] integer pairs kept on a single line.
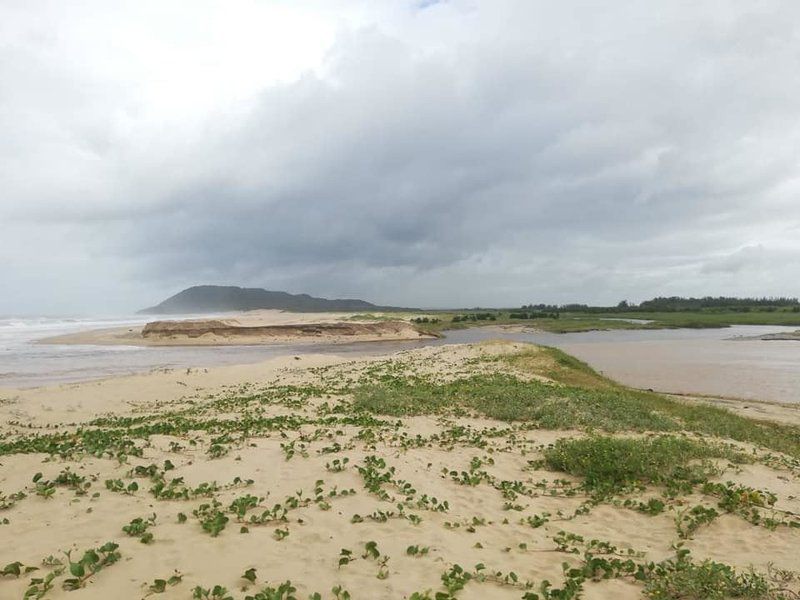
[[460, 153]]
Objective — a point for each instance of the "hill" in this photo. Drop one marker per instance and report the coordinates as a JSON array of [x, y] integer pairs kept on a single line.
[[217, 298]]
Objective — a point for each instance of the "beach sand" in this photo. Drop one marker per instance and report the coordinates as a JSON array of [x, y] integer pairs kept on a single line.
[[290, 461]]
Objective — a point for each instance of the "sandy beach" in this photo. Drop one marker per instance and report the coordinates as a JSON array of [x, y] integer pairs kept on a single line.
[[301, 469]]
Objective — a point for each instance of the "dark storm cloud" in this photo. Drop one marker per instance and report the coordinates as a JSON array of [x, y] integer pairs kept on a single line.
[[480, 153]]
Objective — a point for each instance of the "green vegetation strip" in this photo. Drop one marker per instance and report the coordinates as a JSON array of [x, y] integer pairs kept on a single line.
[[596, 405]]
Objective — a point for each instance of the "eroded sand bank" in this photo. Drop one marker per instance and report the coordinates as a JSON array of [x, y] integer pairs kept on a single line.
[[254, 327]]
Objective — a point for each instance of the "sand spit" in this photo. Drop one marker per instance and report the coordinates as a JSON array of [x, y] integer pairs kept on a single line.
[[267, 467], [221, 332], [779, 336], [251, 328], [791, 336]]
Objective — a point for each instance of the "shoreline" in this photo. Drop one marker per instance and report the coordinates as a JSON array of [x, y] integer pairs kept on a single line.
[[753, 409]]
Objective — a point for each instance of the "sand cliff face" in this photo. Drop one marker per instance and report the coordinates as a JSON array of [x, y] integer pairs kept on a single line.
[[216, 330]]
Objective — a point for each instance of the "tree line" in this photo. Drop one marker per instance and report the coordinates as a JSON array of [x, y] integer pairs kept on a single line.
[[676, 304]]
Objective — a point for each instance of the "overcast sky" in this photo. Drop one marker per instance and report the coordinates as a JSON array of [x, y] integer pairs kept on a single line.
[[423, 153]]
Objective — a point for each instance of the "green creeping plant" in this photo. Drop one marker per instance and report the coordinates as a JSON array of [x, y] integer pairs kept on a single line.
[[291, 448], [216, 593], [176, 489], [211, 518], [748, 503], [371, 551], [346, 557], [241, 505], [383, 569], [537, 521], [475, 475], [677, 577], [382, 516], [159, 586], [374, 476], [217, 450], [430, 503], [117, 485], [454, 581], [138, 528], [337, 465], [689, 521], [39, 586], [321, 497], [15, 569], [73, 481], [278, 513], [333, 449], [90, 563], [250, 575], [151, 471], [45, 489], [284, 591], [7, 502], [652, 507], [417, 550], [339, 593]]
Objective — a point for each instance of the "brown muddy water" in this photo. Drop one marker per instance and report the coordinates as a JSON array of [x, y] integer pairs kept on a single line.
[[707, 364]]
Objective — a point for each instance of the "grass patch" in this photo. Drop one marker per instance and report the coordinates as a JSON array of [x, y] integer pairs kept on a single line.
[[707, 580], [609, 464], [589, 402], [507, 398], [559, 366]]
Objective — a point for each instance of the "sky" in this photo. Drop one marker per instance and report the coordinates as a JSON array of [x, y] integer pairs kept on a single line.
[[414, 153]]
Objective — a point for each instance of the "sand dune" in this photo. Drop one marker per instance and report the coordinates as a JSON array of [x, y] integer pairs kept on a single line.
[[284, 433]]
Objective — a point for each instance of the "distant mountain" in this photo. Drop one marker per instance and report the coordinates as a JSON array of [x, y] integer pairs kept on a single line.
[[218, 298]]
